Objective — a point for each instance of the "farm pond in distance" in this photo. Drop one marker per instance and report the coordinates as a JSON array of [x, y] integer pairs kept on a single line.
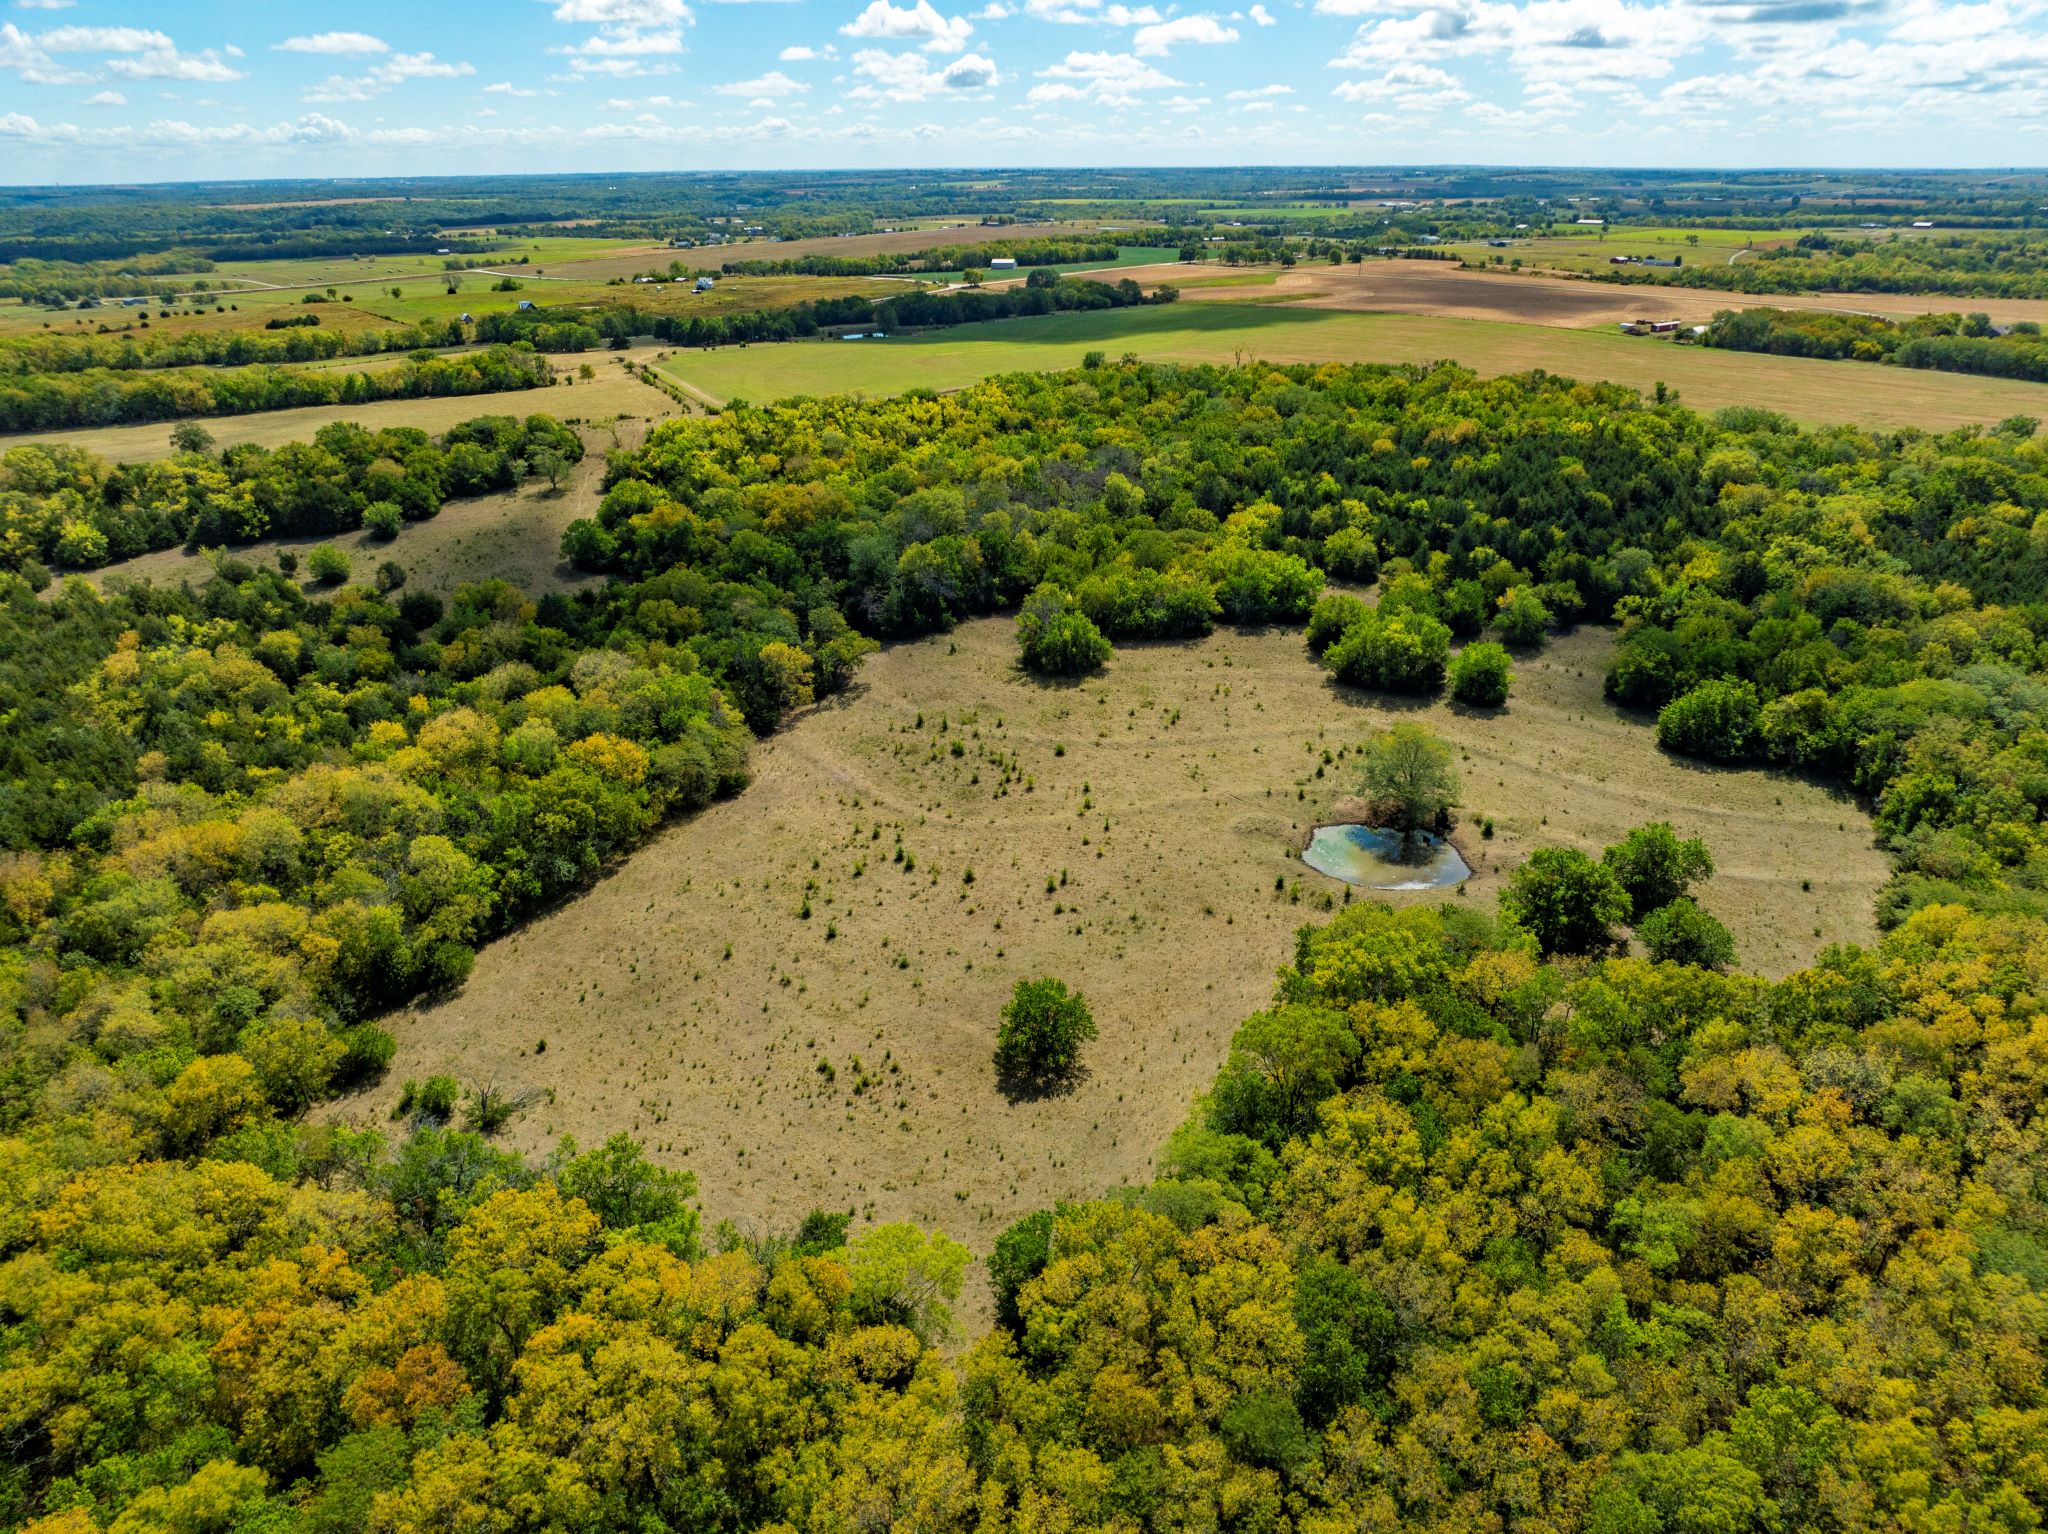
[[1380, 859]]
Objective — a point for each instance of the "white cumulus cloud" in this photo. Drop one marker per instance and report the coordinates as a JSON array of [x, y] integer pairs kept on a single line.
[[342, 44], [886, 76], [1112, 78], [771, 85], [1165, 36], [392, 72], [942, 34], [170, 64]]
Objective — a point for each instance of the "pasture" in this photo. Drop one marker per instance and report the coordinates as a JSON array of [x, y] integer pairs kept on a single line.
[[1571, 249], [1218, 331], [767, 995]]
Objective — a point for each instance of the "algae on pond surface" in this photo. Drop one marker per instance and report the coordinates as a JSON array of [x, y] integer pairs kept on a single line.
[[1379, 859]]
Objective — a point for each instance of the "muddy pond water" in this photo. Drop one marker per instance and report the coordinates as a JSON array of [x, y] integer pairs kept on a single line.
[[1377, 859]]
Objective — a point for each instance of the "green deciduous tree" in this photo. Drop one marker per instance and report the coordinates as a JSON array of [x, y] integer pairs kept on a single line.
[[1680, 932], [1041, 1033], [1481, 675], [1716, 720], [1655, 866], [1408, 775], [1565, 900], [1055, 637]]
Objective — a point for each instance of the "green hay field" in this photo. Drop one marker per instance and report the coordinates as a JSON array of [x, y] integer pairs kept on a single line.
[[1810, 391]]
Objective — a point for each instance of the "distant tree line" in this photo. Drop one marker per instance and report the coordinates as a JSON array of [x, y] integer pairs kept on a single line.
[[303, 341], [1948, 343], [940, 258], [2013, 265], [1044, 292], [113, 397]]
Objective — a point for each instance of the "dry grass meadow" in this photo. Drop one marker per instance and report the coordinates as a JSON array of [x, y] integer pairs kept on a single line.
[[1123, 833]]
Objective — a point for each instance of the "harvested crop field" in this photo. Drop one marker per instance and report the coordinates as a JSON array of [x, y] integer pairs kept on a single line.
[[1449, 291], [1123, 833]]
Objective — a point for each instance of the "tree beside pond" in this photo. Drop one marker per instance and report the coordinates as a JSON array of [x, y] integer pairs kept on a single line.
[[1408, 776]]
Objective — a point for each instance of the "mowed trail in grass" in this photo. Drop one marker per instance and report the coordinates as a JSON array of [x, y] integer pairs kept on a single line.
[[1815, 392], [842, 1059]]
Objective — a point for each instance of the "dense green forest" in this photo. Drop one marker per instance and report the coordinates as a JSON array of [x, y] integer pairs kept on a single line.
[[118, 396], [62, 506], [1482, 1225]]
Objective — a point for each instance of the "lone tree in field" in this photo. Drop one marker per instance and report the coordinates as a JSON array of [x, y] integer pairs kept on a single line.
[[1408, 776], [1481, 676], [1043, 1028]]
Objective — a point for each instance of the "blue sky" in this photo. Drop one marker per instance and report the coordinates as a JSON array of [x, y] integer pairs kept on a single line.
[[128, 90]]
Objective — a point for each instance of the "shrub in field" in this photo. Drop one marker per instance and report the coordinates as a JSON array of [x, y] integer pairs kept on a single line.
[[327, 564], [1481, 676], [1056, 638]]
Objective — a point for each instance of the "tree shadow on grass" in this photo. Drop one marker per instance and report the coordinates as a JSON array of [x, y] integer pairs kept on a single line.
[[1054, 681], [1354, 696], [1020, 1087]]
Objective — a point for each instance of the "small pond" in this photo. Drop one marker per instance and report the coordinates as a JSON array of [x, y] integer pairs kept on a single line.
[[1375, 859]]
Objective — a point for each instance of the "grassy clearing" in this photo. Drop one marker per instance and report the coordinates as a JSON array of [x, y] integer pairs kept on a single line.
[[842, 1059], [1219, 331], [516, 536]]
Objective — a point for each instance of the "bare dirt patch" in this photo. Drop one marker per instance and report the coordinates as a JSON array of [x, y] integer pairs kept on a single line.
[[842, 1059]]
